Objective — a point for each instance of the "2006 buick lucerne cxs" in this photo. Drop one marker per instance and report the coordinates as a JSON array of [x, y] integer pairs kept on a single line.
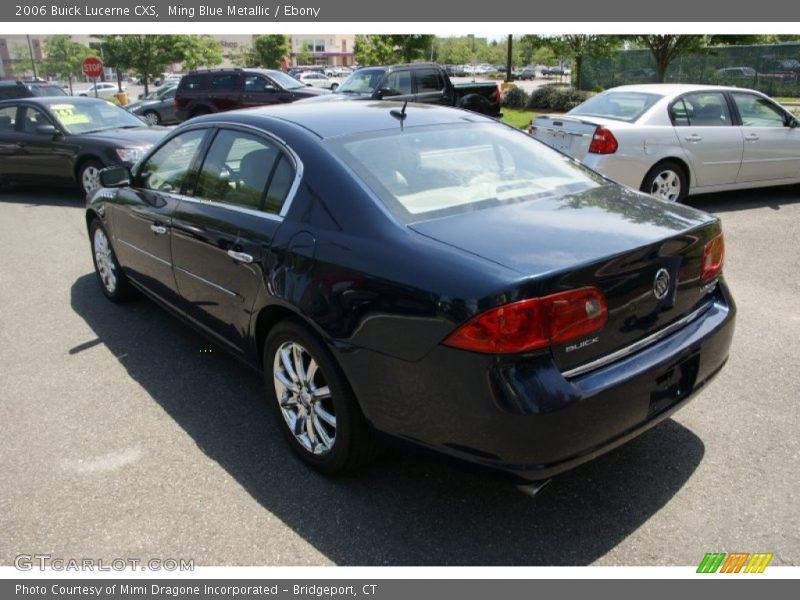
[[422, 272]]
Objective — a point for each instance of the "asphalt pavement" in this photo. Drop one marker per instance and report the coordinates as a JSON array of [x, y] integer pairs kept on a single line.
[[127, 435]]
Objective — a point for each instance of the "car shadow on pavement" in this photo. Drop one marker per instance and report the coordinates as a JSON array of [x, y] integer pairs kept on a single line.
[[405, 509], [42, 196], [722, 202]]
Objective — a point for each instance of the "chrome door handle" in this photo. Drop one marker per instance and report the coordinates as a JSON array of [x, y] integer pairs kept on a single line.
[[158, 229], [242, 257], [751, 137], [693, 138]]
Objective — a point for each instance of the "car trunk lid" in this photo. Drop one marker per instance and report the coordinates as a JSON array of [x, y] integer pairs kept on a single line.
[[570, 135]]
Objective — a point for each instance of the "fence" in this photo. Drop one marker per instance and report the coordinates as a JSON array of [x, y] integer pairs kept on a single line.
[[772, 69]]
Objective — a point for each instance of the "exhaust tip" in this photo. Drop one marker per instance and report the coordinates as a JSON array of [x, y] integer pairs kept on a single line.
[[532, 489]]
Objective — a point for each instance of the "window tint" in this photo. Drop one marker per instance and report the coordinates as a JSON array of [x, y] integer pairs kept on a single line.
[[238, 169], [168, 169], [758, 112], [8, 116], [397, 83], [227, 82], [8, 92], [704, 109], [193, 83], [254, 83], [429, 80], [47, 90], [33, 118]]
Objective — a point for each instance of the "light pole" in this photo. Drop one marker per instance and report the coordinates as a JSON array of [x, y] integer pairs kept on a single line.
[[30, 50]]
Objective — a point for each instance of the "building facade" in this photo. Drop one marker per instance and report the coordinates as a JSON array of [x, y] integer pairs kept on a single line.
[[332, 50]]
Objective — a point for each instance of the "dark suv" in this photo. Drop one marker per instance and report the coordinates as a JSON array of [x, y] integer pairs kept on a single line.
[[217, 90], [11, 89]]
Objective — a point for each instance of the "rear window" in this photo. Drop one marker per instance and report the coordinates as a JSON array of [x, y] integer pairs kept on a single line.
[[424, 173], [194, 83], [46, 90], [622, 106]]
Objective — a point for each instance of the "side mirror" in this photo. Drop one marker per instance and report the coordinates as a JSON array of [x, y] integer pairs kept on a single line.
[[309, 85], [791, 122], [117, 176], [47, 130]]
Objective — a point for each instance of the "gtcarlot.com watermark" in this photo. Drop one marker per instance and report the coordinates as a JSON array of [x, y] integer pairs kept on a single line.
[[43, 562]]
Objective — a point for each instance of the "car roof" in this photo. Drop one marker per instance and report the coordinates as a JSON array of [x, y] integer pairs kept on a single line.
[[47, 101], [673, 89], [348, 117]]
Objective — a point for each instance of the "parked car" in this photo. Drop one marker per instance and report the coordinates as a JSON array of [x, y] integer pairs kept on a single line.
[[554, 71], [318, 80], [157, 107], [737, 73], [419, 82], [338, 71], [672, 140], [12, 88], [67, 140], [104, 90], [216, 90], [525, 74], [406, 269]]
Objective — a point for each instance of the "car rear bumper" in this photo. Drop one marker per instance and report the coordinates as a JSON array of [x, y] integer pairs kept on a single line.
[[522, 416]]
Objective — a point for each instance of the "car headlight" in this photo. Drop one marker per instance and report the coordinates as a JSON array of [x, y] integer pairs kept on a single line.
[[130, 154]]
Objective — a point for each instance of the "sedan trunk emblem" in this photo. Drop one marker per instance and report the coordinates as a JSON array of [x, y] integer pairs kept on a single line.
[[661, 284]]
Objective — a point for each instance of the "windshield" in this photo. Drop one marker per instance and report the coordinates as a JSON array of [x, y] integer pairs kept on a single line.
[[283, 80], [622, 106], [427, 172], [92, 116], [363, 81]]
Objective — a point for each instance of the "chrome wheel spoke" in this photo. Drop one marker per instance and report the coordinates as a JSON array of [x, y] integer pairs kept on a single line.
[[311, 371], [287, 364], [290, 385], [297, 362], [321, 393], [326, 440], [325, 415]]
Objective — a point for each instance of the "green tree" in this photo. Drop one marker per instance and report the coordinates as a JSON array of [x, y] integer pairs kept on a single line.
[[577, 47], [63, 57], [146, 55], [267, 51], [385, 49], [666, 48], [23, 65], [199, 51], [304, 56]]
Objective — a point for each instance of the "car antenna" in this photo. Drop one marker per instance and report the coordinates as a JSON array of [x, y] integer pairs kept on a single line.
[[400, 114]]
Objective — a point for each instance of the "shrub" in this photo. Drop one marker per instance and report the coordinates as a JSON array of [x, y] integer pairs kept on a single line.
[[515, 98], [555, 97]]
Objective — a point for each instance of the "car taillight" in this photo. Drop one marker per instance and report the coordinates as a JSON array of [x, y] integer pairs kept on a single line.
[[498, 94], [713, 257], [531, 128], [603, 142], [534, 323]]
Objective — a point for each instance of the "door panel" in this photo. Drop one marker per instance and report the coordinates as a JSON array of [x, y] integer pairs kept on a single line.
[[771, 148], [41, 156], [705, 131]]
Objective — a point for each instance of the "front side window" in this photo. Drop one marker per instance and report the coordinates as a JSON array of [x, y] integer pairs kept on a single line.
[[397, 83], [424, 173], [702, 109], [256, 83], [756, 111], [245, 170], [168, 169], [34, 118]]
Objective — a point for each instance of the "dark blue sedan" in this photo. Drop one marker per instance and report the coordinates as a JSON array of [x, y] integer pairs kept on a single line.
[[425, 273]]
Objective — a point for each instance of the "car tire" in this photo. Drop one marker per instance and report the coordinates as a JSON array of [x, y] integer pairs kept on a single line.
[[666, 181], [315, 405], [112, 279], [152, 118], [89, 175]]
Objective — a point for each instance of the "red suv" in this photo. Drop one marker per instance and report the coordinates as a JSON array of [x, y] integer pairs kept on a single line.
[[217, 90]]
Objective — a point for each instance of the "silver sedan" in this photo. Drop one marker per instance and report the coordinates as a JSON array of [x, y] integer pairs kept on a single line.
[[672, 140]]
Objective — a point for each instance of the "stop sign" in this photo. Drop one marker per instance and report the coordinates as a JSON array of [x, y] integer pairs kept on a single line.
[[92, 66]]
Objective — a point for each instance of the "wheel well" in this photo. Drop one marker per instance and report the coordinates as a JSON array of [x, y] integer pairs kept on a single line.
[[82, 161], [678, 161], [90, 216], [266, 320]]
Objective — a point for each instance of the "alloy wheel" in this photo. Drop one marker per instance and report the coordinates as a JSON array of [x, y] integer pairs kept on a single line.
[[90, 179], [666, 186], [104, 259]]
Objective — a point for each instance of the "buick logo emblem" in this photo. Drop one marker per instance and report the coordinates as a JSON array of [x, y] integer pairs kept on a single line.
[[661, 284]]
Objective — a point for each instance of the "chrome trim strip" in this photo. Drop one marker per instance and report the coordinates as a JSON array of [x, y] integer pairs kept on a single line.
[[635, 347], [145, 252], [207, 282], [234, 207]]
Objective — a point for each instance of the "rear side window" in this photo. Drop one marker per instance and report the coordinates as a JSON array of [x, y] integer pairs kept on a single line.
[[703, 109], [193, 83], [47, 90], [8, 92], [168, 169], [429, 80], [227, 82], [245, 170], [8, 116]]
